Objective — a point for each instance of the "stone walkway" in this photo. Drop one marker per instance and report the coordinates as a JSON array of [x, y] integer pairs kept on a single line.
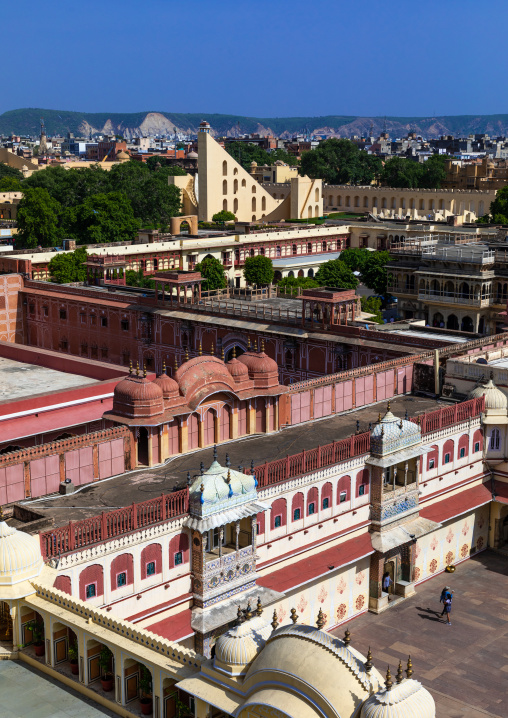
[[465, 665], [28, 693]]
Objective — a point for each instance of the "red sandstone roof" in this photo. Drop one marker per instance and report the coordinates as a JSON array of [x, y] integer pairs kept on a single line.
[[501, 491], [457, 504], [137, 396], [320, 564], [168, 385], [238, 370], [201, 376], [174, 628]]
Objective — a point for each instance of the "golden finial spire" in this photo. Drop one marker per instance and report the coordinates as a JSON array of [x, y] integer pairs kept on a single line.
[[144, 370], [202, 488], [320, 620], [388, 407], [130, 367], [222, 353], [294, 615], [388, 681], [2, 517], [368, 662], [228, 478], [259, 607], [248, 344], [347, 637], [234, 352], [248, 611], [263, 345], [176, 364], [379, 418], [239, 616], [200, 352], [400, 674], [212, 350], [186, 353], [409, 669], [164, 367], [137, 368], [275, 620]]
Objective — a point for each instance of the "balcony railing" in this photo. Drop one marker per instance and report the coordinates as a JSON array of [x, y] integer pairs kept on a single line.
[[455, 298]]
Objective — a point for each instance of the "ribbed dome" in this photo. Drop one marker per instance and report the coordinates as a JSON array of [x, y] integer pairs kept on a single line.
[[238, 370], [168, 385], [20, 556], [241, 644], [137, 396], [408, 699], [393, 434], [218, 483], [263, 370], [494, 397]]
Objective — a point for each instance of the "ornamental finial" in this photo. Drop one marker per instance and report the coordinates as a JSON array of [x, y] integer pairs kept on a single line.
[[248, 611], [200, 351], [388, 681], [275, 620], [228, 460], [347, 637], [368, 662], [234, 352], [137, 368], [259, 607], [400, 674], [188, 478], [248, 344], [215, 452], [263, 346], [294, 615], [320, 620], [222, 353], [186, 353], [144, 371], [130, 367], [176, 364], [239, 616], [409, 669], [212, 350], [164, 367]]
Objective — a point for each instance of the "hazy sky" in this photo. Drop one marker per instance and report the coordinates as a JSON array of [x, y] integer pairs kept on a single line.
[[264, 58]]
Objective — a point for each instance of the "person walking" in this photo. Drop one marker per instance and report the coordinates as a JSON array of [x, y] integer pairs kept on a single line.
[[387, 582], [445, 593]]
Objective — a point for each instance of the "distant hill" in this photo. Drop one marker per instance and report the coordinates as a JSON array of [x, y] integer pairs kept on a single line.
[[135, 124]]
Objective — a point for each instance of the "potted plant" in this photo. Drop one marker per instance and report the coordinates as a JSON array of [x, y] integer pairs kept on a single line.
[[37, 630], [105, 664], [73, 658], [145, 688]]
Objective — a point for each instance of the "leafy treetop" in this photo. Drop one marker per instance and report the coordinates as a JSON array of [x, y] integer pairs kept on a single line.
[[402, 172], [224, 216], [335, 273], [67, 267], [212, 272], [258, 270], [340, 162]]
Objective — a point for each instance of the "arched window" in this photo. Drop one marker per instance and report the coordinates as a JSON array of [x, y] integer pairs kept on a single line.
[[225, 205], [224, 186], [327, 496], [253, 189], [495, 439], [224, 168], [365, 202], [433, 458], [253, 204], [122, 571], [362, 482], [309, 247], [235, 186], [244, 183], [295, 250], [343, 489], [263, 203], [151, 560], [316, 195], [312, 501], [235, 206], [278, 514], [178, 550], [297, 507], [278, 251], [448, 452]]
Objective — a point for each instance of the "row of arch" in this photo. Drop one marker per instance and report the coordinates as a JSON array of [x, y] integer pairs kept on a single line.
[[435, 458], [466, 324], [316, 501], [290, 250], [401, 203], [121, 570]]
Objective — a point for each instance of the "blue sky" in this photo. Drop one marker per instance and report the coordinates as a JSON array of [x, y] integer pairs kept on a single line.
[[264, 58]]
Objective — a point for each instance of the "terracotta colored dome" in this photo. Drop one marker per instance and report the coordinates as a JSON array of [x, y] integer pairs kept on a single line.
[[202, 376], [168, 385], [138, 397], [263, 370]]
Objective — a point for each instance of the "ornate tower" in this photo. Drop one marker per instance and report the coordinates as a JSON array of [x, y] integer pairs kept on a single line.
[[396, 448], [43, 145], [223, 510]]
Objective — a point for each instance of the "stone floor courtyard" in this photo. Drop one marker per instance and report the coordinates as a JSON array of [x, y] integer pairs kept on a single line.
[[465, 665], [28, 693]]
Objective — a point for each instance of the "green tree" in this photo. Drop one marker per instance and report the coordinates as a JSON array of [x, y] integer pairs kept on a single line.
[[340, 162], [102, 218], [258, 270], [68, 267], [71, 187], [10, 184], [8, 171], [212, 272], [223, 216], [335, 273], [354, 258], [434, 172], [37, 218], [156, 164], [135, 278], [403, 172], [374, 273], [373, 306], [289, 283], [498, 208]]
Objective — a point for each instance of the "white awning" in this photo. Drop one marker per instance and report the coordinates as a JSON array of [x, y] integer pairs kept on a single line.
[[235, 513], [400, 535]]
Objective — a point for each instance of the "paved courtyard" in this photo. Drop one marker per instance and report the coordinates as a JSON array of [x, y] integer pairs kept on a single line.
[[28, 693], [465, 665]]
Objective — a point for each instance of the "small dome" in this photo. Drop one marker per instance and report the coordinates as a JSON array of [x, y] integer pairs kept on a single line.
[[393, 434], [240, 645], [20, 556], [192, 156], [168, 385], [201, 376], [495, 399], [138, 397], [405, 699], [263, 370], [122, 155], [219, 483], [238, 370]]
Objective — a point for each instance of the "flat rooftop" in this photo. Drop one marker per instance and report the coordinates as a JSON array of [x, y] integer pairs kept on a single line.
[[141, 485], [502, 362], [430, 335], [19, 380]]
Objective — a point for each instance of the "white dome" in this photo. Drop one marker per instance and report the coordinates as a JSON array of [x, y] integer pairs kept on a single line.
[[241, 644], [494, 397], [408, 699], [393, 434], [20, 556]]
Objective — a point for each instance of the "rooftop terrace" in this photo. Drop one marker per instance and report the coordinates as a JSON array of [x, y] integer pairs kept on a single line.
[[19, 380]]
